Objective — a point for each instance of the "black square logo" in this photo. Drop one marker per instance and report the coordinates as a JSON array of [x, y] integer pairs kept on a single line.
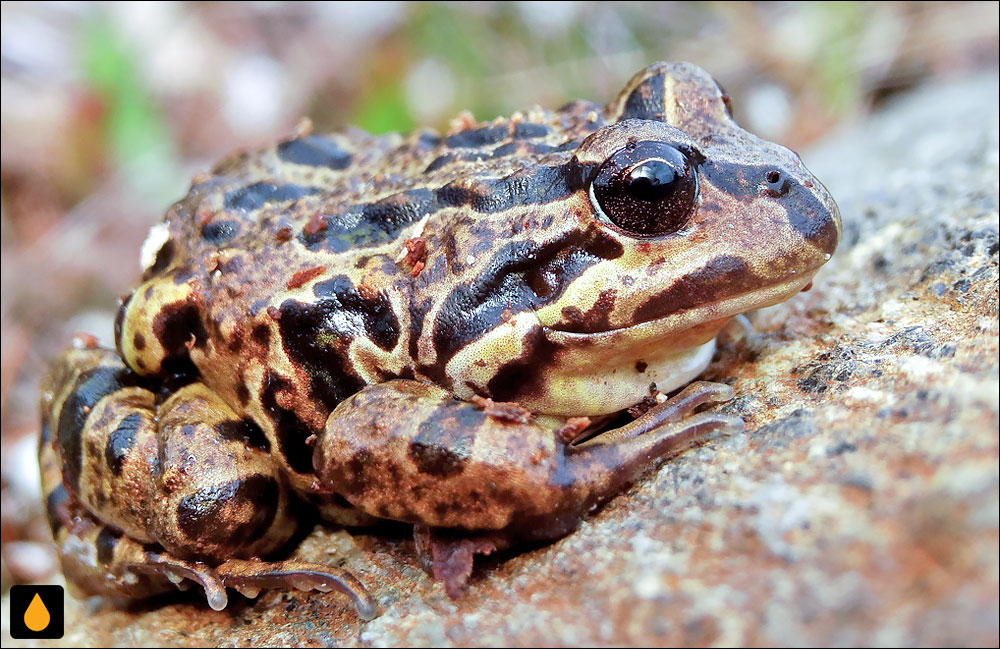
[[36, 612]]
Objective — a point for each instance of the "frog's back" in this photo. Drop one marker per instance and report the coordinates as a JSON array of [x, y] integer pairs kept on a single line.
[[321, 242]]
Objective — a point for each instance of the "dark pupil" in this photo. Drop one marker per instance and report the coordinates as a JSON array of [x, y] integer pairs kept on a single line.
[[651, 181]]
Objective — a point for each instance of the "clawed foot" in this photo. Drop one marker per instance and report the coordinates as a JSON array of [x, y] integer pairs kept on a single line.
[[678, 413], [249, 577]]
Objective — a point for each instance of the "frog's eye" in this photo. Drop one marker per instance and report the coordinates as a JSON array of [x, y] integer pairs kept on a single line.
[[647, 188]]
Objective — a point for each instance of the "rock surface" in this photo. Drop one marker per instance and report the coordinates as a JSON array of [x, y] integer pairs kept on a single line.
[[859, 508]]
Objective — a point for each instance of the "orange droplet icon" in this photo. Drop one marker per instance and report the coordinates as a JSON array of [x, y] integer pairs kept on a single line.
[[36, 616]]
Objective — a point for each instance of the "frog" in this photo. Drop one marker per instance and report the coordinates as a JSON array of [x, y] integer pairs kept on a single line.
[[485, 333]]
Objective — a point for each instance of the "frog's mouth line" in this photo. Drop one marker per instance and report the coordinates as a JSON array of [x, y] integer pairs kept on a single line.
[[680, 321]]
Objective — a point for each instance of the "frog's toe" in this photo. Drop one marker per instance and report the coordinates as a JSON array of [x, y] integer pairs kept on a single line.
[[177, 570], [675, 419], [249, 577]]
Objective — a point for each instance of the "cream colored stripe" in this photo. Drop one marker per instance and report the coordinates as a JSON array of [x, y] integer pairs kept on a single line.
[[669, 100]]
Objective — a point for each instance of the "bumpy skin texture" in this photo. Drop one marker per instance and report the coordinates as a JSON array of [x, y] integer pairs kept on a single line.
[[417, 328]]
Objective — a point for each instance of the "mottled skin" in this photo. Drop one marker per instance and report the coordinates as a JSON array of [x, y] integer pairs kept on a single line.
[[340, 319]]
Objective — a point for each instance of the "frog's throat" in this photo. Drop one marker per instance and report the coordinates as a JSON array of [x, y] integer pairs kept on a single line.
[[667, 353], [573, 388]]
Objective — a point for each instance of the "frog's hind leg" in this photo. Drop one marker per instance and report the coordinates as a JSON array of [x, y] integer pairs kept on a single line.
[[98, 560], [411, 452], [595, 471], [92, 555], [144, 495]]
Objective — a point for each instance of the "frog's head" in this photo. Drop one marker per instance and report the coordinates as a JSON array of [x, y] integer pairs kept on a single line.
[[712, 220], [698, 221]]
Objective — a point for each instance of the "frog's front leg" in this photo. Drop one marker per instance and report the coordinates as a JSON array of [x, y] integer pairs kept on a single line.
[[411, 452], [143, 494]]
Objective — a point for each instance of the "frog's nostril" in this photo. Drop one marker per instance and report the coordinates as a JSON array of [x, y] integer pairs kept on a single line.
[[775, 184]]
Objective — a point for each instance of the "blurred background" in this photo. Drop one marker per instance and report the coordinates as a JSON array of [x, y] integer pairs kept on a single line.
[[109, 108]]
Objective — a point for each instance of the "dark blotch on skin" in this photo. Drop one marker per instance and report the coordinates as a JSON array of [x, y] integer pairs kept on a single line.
[[178, 372], [533, 148], [373, 223], [120, 323], [428, 140], [540, 185], [721, 277], [53, 503], [262, 334], [437, 461], [246, 432], [510, 148], [91, 387], [314, 341], [646, 101], [164, 256], [203, 515], [355, 479], [740, 181], [175, 324], [105, 543], [259, 194], [526, 131], [231, 266], [314, 151], [418, 312], [219, 232], [487, 135], [139, 342], [439, 162], [596, 318], [521, 276], [812, 220], [444, 441], [477, 138], [289, 429], [550, 277], [120, 442], [471, 310], [523, 376], [464, 156], [372, 317], [317, 335]]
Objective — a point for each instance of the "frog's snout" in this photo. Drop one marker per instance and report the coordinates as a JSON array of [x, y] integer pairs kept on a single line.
[[812, 212], [823, 219]]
